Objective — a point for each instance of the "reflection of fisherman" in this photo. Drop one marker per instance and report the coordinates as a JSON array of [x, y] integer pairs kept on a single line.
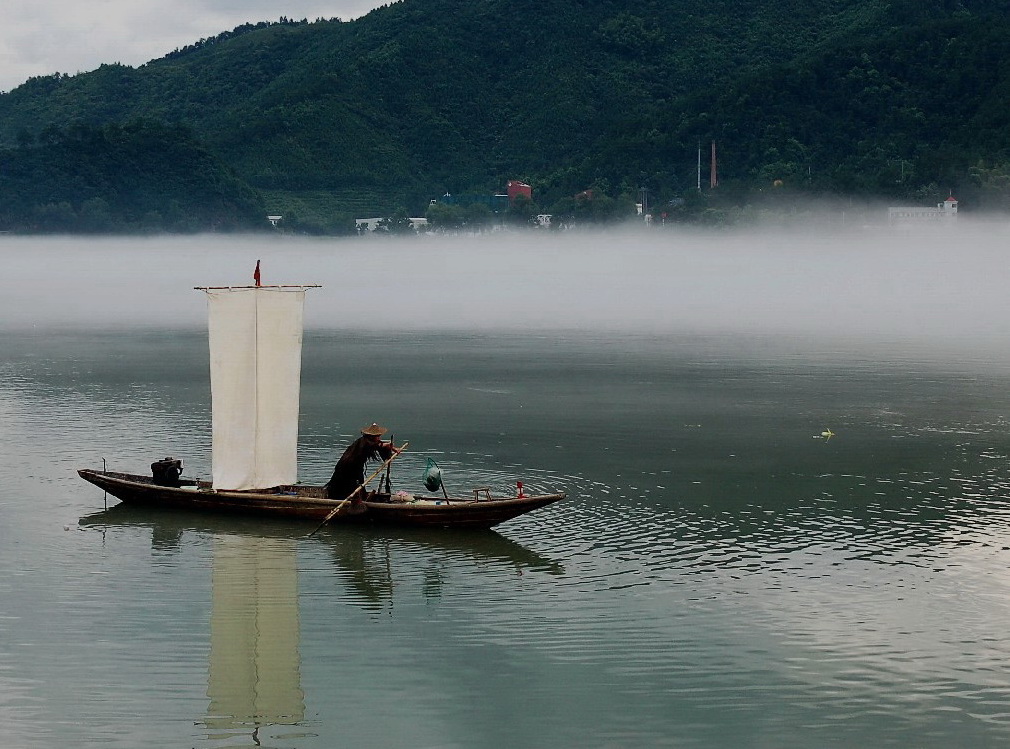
[[349, 473]]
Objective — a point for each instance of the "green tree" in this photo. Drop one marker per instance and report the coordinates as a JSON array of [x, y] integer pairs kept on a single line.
[[445, 218], [522, 212], [398, 224]]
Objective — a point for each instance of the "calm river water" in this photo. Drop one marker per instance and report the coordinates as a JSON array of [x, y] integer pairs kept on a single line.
[[722, 575]]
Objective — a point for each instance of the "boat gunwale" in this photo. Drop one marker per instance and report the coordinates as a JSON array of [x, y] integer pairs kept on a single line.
[[203, 490]]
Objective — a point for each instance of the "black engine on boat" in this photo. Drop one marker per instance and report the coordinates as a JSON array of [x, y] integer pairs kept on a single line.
[[166, 472]]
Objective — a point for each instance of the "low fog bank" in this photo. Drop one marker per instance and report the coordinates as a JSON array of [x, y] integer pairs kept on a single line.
[[947, 284]]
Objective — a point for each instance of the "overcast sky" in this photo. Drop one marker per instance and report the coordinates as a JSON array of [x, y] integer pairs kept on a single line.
[[41, 37]]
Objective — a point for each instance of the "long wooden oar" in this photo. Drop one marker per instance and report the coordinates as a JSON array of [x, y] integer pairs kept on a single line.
[[338, 508]]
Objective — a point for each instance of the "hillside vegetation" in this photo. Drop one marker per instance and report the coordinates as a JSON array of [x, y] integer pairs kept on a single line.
[[329, 120], [144, 177]]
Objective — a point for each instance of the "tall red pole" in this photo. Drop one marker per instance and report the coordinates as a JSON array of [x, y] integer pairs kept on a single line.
[[714, 180]]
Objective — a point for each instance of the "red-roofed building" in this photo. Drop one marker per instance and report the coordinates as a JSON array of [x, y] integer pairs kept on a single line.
[[515, 188]]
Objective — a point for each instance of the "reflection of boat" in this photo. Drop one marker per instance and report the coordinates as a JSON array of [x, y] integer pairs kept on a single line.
[[367, 555], [254, 674], [167, 528], [255, 335], [310, 502], [479, 545], [375, 564]]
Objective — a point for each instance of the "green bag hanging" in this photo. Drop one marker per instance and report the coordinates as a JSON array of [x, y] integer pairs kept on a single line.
[[432, 476]]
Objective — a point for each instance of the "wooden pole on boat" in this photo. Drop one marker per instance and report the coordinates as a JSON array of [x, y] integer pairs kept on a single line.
[[380, 469], [389, 467]]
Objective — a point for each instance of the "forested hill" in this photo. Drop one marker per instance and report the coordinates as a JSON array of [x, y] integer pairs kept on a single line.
[[330, 119]]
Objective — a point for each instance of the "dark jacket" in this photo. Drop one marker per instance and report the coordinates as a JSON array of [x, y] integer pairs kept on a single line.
[[349, 473]]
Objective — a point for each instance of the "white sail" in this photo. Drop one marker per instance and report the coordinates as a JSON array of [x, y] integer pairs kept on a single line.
[[255, 369]]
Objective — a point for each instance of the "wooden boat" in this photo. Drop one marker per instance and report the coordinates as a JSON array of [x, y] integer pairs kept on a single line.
[[255, 338], [481, 510]]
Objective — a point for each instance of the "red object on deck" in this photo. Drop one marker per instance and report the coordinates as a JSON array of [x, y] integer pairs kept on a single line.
[[519, 490], [256, 273]]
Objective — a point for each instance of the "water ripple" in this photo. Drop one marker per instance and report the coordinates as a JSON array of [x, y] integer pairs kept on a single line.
[[827, 590]]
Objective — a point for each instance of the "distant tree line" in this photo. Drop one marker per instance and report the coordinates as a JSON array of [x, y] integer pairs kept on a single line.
[[140, 177], [244, 28], [326, 121]]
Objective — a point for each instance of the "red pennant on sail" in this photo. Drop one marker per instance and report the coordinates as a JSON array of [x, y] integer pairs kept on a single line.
[[256, 273]]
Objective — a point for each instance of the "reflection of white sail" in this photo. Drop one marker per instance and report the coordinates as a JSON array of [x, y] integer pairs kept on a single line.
[[255, 366], [255, 677]]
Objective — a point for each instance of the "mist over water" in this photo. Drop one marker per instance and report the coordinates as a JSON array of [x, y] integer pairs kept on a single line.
[[942, 287], [721, 573]]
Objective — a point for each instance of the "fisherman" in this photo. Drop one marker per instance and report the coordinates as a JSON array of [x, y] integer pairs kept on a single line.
[[349, 473]]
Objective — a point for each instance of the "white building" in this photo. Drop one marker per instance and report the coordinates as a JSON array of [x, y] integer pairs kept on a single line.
[[945, 212]]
